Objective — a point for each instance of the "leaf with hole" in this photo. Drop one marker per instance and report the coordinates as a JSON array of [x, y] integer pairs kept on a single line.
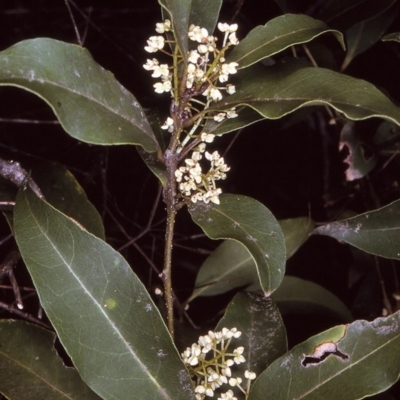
[[346, 362]]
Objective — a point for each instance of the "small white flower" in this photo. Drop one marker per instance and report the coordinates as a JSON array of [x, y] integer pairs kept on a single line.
[[219, 117], [162, 27], [154, 44], [168, 124], [161, 87], [230, 89], [202, 48], [233, 40], [231, 113], [224, 27], [197, 34], [193, 56], [150, 64], [238, 358], [229, 68], [160, 71], [227, 396], [249, 375], [215, 94], [207, 137]]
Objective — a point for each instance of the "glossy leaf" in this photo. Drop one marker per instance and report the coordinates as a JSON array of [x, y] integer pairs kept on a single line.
[[342, 14], [205, 13], [178, 11], [102, 313], [250, 223], [30, 369], [64, 193], [376, 232], [300, 296], [366, 363], [89, 102], [395, 36], [231, 266], [263, 332], [277, 35], [279, 90], [363, 35]]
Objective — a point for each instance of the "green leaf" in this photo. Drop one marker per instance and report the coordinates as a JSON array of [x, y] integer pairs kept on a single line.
[[395, 36], [279, 90], [363, 35], [342, 14], [376, 232], [300, 296], [178, 11], [231, 266], [30, 369], [205, 13], [64, 193], [367, 362], [263, 332], [250, 223], [277, 35], [87, 100], [102, 313]]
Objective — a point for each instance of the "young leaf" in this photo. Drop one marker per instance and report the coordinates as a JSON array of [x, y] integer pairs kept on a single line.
[[263, 333], [277, 35], [231, 265], [102, 313], [205, 13], [376, 232], [250, 223], [346, 362], [301, 296], [178, 11], [30, 369], [279, 90], [87, 100]]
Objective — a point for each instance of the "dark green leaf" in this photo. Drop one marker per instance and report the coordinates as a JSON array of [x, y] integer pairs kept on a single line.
[[102, 313], [263, 333], [376, 232], [154, 164], [299, 296], [277, 35], [250, 223], [363, 35], [178, 11], [395, 36], [88, 101], [64, 193], [30, 369], [367, 362], [231, 265], [279, 90], [205, 13], [342, 14]]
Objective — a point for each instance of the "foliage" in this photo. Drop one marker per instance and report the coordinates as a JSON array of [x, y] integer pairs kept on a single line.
[[123, 341]]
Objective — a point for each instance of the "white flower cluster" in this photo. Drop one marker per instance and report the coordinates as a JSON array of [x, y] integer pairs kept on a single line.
[[193, 183], [210, 363]]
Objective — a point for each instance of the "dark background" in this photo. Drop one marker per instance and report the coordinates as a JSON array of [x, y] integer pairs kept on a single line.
[[293, 170]]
